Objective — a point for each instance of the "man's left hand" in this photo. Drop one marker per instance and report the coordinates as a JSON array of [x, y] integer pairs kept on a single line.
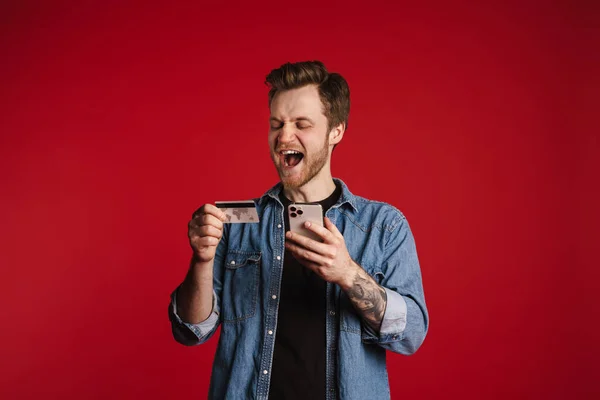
[[330, 259]]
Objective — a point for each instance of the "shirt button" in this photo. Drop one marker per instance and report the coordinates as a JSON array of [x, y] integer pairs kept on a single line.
[[332, 312], [232, 262], [273, 297], [279, 225], [270, 332], [278, 257], [265, 372]]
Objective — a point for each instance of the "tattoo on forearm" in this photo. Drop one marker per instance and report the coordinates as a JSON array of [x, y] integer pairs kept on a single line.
[[369, 299]]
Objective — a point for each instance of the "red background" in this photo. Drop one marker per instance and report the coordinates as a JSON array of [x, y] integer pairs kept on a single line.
[[475, 120]]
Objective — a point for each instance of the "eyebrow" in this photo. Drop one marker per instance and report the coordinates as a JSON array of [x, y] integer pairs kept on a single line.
[[295, 119]]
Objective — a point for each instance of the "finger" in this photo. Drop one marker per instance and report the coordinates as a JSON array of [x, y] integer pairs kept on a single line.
[[308, 243], [295, 251], [210, 209], [204, 241], [310, 256], [205, 230], [208, 219], [319, 230]]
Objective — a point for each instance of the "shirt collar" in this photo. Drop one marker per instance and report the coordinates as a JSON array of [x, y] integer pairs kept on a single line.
[[345, 198]]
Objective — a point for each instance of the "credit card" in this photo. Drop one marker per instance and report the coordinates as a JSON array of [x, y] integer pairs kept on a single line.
[[238, 212]]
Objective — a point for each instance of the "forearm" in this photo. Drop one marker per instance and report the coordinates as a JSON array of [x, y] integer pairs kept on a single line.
[[368, 298], [195, 295]]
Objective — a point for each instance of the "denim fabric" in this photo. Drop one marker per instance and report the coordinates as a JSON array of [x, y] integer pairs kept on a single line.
[[247, 278]]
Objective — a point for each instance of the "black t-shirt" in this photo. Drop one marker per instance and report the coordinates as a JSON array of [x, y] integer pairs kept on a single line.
[[299, 356]]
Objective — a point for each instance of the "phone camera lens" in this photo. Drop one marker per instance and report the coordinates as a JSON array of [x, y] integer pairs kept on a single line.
[[299, 212], [293, 215], [292, 209]]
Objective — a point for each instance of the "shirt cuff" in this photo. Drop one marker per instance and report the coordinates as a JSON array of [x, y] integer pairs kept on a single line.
[[394, 318], [201, 329]]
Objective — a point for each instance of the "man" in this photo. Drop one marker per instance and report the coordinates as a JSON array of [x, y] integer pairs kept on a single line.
[[301, 318]]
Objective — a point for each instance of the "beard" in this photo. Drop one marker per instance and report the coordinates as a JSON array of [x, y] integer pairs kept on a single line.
[[311, 166]]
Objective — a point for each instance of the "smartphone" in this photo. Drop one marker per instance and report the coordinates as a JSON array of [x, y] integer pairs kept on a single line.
[[299, 213]]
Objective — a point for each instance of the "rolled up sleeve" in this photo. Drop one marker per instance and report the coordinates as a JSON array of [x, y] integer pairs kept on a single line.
[[406, 320], [193, 334], [394, 318]]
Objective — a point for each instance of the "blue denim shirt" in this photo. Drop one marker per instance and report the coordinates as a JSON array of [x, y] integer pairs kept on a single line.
[[247, 278]]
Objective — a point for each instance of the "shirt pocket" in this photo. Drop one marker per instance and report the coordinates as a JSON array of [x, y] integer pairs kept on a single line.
[[240, 285], [350, 320]]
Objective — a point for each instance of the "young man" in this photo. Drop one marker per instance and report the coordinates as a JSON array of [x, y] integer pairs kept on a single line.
[[300, 318]]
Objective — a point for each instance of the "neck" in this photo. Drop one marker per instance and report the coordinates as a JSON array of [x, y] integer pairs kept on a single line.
[[317, 189]]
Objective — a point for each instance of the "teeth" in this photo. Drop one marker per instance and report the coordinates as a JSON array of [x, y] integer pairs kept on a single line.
[[290, 152]]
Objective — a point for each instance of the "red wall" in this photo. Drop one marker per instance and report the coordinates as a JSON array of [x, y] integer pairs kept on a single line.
[[476, 121]]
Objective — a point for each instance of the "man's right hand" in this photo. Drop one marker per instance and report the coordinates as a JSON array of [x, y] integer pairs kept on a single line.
[[205, 230]]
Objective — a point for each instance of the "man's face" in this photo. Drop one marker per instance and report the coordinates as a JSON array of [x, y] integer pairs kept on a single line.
[[298, 124]]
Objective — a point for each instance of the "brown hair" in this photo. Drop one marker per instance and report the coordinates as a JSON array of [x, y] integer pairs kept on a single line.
[[333, 88]]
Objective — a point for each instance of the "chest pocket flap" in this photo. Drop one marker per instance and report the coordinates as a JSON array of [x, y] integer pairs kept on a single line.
[[237, 259]]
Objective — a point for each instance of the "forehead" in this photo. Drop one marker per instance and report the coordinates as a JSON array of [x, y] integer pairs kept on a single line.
[[293, 103]]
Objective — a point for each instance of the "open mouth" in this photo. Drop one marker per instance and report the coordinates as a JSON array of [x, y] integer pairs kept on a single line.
[[291, 158]]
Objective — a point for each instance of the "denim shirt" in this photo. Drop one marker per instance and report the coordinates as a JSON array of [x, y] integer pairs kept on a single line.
[[247, 278]]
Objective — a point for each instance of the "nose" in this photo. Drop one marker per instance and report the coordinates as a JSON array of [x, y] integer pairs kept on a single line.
[[287, 134]]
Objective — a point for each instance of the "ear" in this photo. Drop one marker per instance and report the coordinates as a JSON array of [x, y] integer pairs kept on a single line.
[[337, 133]]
